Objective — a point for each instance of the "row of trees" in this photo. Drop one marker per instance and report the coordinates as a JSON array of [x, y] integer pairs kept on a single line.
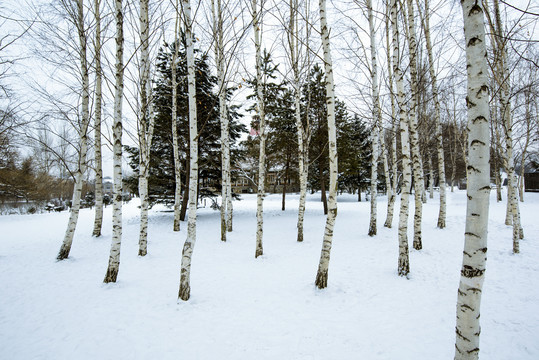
[[187, 120]]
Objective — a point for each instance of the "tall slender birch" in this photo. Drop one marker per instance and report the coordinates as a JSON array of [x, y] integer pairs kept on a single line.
[[403, 262], [437, 117], [223, 114], [293, 43], [174, 111], [187, 252], [145, 127], [478, 185], [262, 131], [114, 258], [393, 196], [504, 81], [322, 274], [83, 136], [417, 166], [98, 222], [377, 119]]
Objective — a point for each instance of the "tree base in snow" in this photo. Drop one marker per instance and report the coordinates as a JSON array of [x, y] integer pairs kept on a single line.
[[185, 292], [259, 251], [64, 253], [404, 267], [418, 245], [96, 233], [321, 279], [441, 223], [372, 229], [142, 252], [112, 274]]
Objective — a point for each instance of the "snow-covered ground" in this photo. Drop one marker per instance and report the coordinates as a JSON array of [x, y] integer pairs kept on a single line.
[[268, 308]]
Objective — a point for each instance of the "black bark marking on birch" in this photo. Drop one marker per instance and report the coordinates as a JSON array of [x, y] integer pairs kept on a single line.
[[487, 188], [466, 306], [474, 214], [469, 103], [483, 250], [476, 350], [471, 168], [459, 334], [474, 41], [480, 118], [471, 272], [476, 9], [477, 142], [467, 254], [472, 235], [475, 290]]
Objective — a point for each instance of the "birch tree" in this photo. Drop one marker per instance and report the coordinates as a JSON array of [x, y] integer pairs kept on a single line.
[[403, 262], [145, 126], [392, 195], [187, 252], [262, 131], [478, 185], [175, 144], [417, 166], [295, 46], [98, 222], [114, 257], [78, 17], [323, 266], [437, 118], [377, 119]]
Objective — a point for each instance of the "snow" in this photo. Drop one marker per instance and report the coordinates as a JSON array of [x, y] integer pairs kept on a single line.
[[268, 308]]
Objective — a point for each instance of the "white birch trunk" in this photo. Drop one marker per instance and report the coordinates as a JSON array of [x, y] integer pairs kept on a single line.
[[185, 272], [262, 137], [223, 116], [437, 116], [431, 179], [145, 127], [377, 119], [478, 185], [393, 196], [83, 135], [322, 274], [174, 113], [293, 36], [419, 183], [98, 222], [114, 258], [403, 262]]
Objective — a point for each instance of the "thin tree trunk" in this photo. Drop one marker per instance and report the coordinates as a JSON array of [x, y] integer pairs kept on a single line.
[[145, 128], [187, 252], [419, 183], [175, 141], [393, 197], [98, 222], [322, 274], [437, 114], [83, 134], [403, 262], [114, 258], [323, 196], [262, 129], [377, 119], [431, 179], [283, 205]]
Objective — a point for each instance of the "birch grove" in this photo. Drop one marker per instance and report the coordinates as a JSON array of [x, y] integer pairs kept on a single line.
[[185, 272], [114, 257], [98, 222], [83, 134], [322, 275], [478, 186]]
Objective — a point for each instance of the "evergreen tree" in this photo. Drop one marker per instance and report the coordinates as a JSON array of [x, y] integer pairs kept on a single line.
[[162, 179]]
